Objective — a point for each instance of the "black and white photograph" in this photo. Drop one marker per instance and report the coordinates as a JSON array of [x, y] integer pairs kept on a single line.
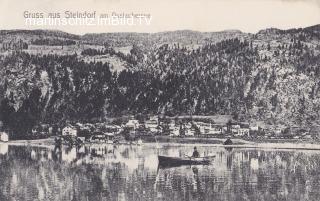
[[160, 100]]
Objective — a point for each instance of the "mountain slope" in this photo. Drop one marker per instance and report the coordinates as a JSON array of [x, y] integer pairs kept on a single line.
[[271, 76]]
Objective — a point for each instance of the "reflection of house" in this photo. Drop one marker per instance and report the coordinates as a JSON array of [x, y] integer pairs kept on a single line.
[[4, 148], [102, 137], [69, 155], [4, 137], [69, 130]]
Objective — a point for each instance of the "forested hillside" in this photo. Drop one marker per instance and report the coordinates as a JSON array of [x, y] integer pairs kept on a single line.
[[272, 76]]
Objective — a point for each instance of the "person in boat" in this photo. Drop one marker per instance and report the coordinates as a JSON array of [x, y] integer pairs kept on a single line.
[[228, 142], [195, 153]]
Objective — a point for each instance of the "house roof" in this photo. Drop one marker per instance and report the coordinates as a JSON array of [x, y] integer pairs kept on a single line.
[[70, 127]]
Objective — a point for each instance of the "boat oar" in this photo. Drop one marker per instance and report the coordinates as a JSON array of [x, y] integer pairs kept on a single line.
[[189, 158]]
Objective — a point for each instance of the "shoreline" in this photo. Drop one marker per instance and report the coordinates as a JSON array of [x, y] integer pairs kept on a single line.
[[211, 142]]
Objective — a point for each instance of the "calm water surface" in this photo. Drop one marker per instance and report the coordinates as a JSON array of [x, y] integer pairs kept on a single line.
[[131, 173]]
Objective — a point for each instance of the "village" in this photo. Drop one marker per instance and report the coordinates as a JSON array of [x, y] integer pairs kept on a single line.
[[133, 128]]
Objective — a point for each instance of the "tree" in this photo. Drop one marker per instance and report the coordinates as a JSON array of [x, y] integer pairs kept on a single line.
[[6, 113]]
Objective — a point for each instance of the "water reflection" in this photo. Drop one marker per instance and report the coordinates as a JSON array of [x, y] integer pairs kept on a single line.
[[3, 149], [108, 172]]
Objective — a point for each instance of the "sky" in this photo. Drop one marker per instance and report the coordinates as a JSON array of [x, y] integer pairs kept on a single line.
[[169, 15]]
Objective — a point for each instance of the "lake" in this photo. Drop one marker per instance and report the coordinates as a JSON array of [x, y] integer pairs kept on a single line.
[[107, 172]]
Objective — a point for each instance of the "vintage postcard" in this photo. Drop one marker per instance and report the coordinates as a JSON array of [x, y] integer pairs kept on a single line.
[[184, 100]]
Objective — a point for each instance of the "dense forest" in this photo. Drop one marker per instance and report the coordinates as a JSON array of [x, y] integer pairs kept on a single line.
[[272, 76], [52, 42]]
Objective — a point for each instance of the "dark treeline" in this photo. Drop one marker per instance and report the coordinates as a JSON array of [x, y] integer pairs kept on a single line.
[[76, 91], [53, 42]]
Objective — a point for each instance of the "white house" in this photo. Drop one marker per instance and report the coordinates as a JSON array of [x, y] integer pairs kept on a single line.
[[209, 129], [50, 130], [235, 128], [278, 131], [114, 129], [172, 125], [69, 130], [4, 137], [132, 124], [175, 131], [243, 132], [152, 124], [189, 132], [203, 127], [215, 129], [224, 129], [254, 127]]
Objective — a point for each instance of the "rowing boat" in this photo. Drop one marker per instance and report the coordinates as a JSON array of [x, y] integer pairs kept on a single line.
[[165, 161]]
